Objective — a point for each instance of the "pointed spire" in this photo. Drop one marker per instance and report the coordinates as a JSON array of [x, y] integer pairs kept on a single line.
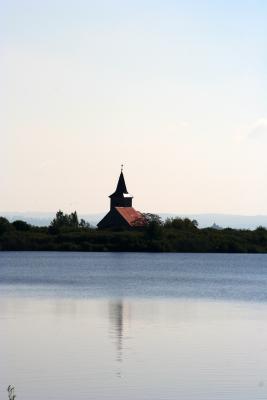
[[121, 197], [121, 186], [121, 189]]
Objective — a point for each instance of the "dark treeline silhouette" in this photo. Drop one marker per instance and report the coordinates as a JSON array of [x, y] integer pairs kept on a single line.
[[67, 233]]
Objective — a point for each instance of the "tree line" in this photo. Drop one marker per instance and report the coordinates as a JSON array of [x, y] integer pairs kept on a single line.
[[69, 233]]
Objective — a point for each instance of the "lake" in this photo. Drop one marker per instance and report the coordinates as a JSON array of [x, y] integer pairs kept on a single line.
[[130, 326]]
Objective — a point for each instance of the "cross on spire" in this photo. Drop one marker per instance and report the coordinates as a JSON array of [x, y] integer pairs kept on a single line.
[[122, 167]]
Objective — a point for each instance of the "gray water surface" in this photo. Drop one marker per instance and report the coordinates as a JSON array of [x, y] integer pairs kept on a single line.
[[93, 275], [133, 326]]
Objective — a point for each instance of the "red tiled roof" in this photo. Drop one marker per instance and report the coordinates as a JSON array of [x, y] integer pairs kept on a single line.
[[133, 217]]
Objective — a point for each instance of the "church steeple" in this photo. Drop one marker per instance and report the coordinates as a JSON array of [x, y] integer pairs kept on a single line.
[[122, 215], [121, 186], [121, 197]]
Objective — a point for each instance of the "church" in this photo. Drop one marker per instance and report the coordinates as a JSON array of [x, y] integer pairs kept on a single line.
[[121, 215]]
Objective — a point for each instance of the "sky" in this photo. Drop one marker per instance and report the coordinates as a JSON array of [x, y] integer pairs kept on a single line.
[[174, 90]]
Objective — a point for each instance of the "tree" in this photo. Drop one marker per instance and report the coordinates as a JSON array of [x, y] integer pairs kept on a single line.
[[149, 217], [84, 224], [5, 226], [154, 225], [181, 224], [64, 221], [21, 225]]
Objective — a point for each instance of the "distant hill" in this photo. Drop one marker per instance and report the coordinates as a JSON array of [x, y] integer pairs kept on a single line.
[[226, 220], [204, 220], [44, 218]]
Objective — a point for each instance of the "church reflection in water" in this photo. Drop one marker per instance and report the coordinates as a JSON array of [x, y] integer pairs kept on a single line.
[[119, 316]]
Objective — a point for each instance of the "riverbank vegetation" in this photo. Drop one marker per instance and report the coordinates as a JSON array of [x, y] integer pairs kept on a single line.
[[67, 233]]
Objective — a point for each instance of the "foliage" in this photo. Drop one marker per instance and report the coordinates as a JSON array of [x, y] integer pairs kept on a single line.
[[67, 233], [4, 225], [21, 225], [152, 218], [181, 224], [67, 222]]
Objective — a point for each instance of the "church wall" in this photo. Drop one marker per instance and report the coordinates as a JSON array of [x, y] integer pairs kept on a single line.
[[113, 220]]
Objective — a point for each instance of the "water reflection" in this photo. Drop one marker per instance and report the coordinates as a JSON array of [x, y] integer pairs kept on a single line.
[[116, 309], [160, 349], [119, 316]]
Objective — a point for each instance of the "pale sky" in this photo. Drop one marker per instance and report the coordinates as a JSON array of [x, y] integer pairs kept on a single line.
[[175, 90]]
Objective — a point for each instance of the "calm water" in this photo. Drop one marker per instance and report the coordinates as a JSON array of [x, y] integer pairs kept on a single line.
[[133, 326]]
